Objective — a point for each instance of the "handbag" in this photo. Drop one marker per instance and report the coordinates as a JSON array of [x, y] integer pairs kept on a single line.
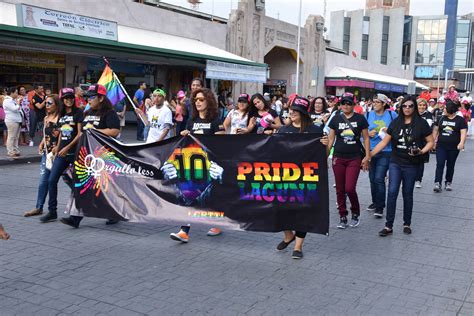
[[49, 155]]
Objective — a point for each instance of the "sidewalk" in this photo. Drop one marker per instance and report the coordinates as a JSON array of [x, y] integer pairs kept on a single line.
[[30, 154]]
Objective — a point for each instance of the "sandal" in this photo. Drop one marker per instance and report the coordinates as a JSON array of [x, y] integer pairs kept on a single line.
[[3, 234], [33, 212], [285, 244], [385, 232]]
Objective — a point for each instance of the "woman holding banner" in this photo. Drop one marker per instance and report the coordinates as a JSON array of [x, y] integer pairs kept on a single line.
[[204, 120], [102, 117], [301, 122]]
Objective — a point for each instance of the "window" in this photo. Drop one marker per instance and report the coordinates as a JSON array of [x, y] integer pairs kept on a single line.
[[463, 29], [385, 28], [365, 46], [347, 34], [431, 35]]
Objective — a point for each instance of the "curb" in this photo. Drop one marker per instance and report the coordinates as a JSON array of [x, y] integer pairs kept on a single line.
[[21, 160]]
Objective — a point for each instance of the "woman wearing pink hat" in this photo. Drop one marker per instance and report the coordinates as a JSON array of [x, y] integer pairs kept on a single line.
[[180, 111]]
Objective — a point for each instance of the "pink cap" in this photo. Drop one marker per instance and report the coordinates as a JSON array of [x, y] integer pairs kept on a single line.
[[181, 94]]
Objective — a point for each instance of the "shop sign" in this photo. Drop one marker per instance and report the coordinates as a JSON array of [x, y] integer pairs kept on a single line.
[[31, 59], [62, 22], [235, 72], [396, 88], [382, 86]]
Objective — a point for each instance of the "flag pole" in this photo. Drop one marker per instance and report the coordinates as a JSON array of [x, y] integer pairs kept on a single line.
[[123, 89]]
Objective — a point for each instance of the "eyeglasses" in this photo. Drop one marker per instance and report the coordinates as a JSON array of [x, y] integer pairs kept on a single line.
[[347, 103], [199, 99], [408, 106]]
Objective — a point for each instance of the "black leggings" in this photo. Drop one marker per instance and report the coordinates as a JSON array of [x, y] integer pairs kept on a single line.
[[300, 234]]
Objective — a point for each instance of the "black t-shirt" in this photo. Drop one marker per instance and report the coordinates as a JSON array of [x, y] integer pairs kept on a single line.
[[92, 119], [51, 134], [428, 117], [318, 118], [313, 129], [40, 113], [450, 131], [200, 126], [68, 127], [260, 126], [415, 135], [348, 144]]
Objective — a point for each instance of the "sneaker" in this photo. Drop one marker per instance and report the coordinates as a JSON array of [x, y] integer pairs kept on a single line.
[[69, 221], [407, 230], [33, 212], [111, 222], [448, 186], [180, 236], [214, 231], [378, 213], [437, 187], [355, 221], [418, 184], [31, 143], [297, 254], [342, 223], [334, 185], [49, 217], [371, 208]]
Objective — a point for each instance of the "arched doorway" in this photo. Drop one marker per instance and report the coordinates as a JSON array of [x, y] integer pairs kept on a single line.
[[282, 66]]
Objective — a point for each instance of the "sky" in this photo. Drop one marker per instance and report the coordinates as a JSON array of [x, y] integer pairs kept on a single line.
[[287, 10]]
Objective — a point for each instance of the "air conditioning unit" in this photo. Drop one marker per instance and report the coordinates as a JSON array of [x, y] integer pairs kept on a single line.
[[259, 5]]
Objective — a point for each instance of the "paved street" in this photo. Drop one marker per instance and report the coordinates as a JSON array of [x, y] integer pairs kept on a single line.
[[135, 269]]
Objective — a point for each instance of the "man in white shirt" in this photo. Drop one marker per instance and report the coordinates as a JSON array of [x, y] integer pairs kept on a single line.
[[159, 118]]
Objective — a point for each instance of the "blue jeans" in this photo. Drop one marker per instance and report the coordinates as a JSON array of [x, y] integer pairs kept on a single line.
[[140, 129], [420, 172], [445, 157], [377, 173], [146, 130], [404, 175], [43, 183], [59, 166]]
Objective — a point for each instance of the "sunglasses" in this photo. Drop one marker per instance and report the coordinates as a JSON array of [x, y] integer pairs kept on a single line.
[[347, 103], [49, 103], [199, 99], [92, 97], [408, 106]]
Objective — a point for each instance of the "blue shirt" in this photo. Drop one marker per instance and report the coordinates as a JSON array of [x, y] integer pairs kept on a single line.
[[139, 95], [376, 123]]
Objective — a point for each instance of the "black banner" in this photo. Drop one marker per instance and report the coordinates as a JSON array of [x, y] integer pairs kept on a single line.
[[254, 182]]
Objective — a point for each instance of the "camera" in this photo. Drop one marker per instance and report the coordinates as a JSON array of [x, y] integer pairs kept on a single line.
[[414, 150]]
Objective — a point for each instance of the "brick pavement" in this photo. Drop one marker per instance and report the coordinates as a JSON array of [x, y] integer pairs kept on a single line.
[[135, 269]]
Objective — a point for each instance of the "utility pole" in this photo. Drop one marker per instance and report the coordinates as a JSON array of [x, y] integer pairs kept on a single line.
[[298, 50]]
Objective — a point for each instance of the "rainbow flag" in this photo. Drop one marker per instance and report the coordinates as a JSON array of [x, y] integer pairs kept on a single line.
[[114, 92]]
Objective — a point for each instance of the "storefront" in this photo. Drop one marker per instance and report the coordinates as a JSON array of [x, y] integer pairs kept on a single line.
[[63, 49], [365, 84]]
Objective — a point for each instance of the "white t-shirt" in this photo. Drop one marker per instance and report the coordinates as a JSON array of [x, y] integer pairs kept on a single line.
[[237, 121], [159, 118]]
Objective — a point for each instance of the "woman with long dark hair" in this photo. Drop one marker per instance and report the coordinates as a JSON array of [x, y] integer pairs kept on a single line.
[[319, 111], [301, 122], [46, 148], [204, 120], [102, 117], [237, 121], [69, 125], [265, 119], [450, 131], [411, 138]]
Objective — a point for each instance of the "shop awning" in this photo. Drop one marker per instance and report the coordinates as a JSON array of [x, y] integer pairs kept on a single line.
[[138, 41], [340, 76]]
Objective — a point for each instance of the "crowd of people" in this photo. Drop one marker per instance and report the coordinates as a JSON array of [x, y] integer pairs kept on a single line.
[[388, 139]]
